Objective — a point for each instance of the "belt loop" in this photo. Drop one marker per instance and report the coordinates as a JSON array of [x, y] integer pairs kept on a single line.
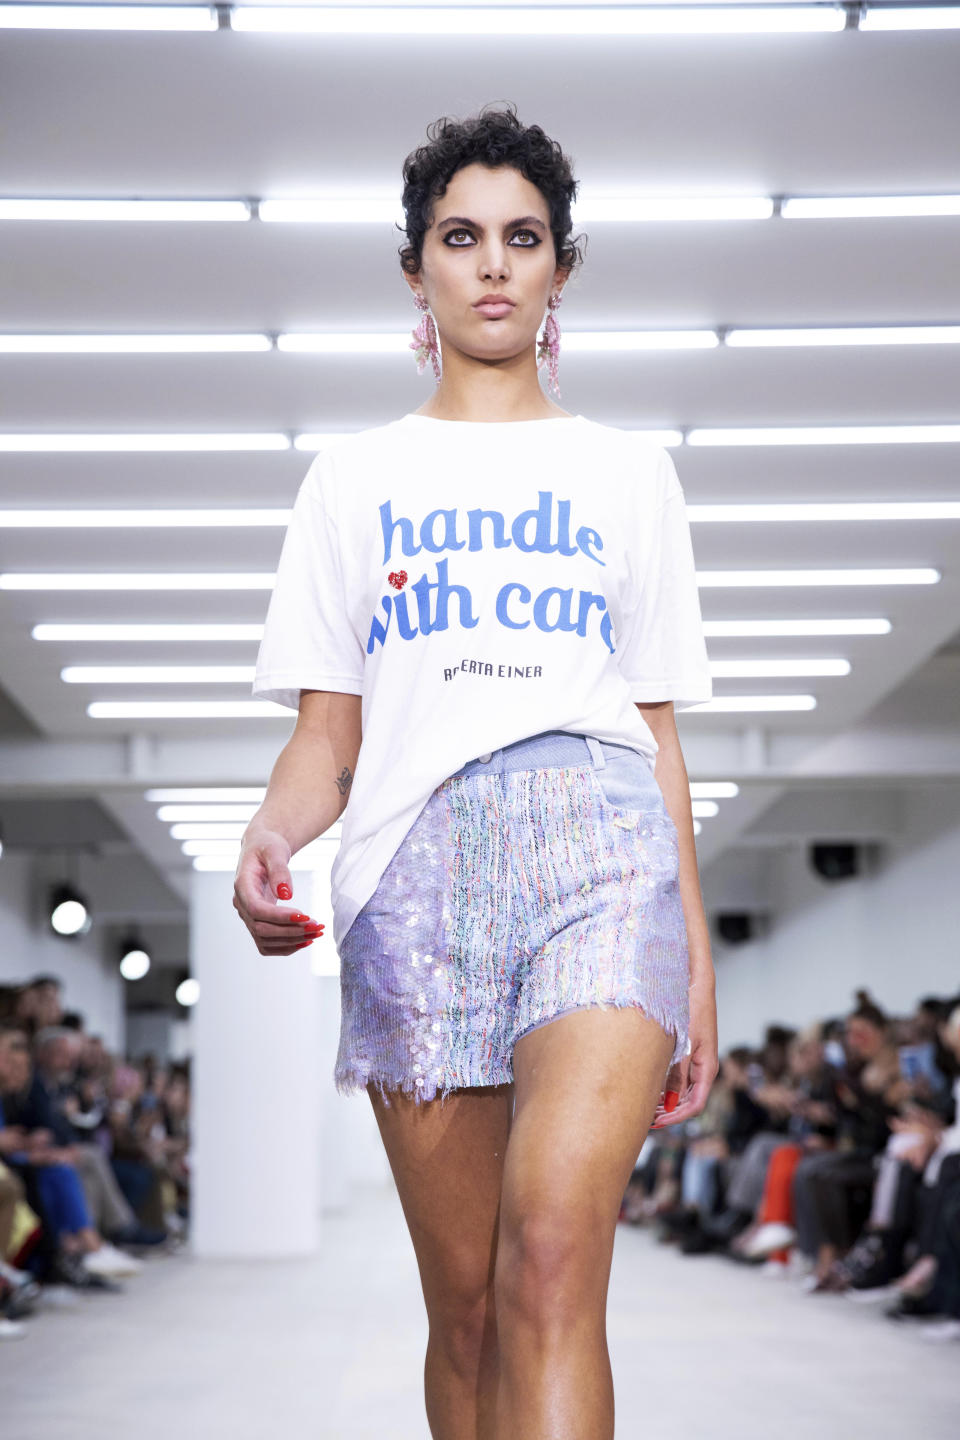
[[596, 752]]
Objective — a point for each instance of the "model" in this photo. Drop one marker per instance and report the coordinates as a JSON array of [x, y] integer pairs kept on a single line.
[[500, 598]]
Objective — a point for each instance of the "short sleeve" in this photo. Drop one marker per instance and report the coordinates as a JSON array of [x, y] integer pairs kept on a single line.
[[662, 652], [308, 641]]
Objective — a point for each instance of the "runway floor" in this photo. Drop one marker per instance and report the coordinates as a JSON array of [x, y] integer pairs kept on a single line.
[[332, 1349]]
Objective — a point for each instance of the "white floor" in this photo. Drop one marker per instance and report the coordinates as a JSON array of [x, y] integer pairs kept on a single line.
[[332, 1349]]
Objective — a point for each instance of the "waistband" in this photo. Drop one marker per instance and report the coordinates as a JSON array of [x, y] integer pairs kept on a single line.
[[550, 747]]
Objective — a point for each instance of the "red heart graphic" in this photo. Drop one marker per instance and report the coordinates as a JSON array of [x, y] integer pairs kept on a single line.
[[397, 578]]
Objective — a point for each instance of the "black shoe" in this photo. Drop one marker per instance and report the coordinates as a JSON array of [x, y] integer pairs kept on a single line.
[[872, 1262], [700, 1242], [138, 1235], [909, 1307], [70, 1270]]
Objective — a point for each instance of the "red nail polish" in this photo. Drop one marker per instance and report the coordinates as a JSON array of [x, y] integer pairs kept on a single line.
[[284, 892], [670, 1100], [299, 917]]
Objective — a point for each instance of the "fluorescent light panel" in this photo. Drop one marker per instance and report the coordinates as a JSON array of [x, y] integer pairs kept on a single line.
[[768, 511], [140, 519], [912, 17], [108, 17], [186, 710], [819, 512], [138, 633], [709, 579], [157, 674], [89, 580], [828, 435], [168, 814], [773, 628], [133, 344], [121, 442], [547, 21], [212, 793], [13, 580], [196, 830], [38, 443], [744, 703], [713, 789], [868, 207], [754, 669]]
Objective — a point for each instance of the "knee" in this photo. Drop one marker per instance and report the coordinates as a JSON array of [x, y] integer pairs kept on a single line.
[[543, 1266], [463, 1329]]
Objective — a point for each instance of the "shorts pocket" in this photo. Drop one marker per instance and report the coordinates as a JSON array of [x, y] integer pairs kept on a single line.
[[627, 783]]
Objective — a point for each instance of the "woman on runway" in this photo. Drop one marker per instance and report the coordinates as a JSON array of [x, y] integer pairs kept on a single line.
[[499, 596]]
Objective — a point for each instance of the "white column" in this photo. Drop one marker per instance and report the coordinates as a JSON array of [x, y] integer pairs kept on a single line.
[[256, 1085]]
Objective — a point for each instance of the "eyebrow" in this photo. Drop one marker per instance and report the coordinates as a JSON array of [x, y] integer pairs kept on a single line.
[[475, 225]]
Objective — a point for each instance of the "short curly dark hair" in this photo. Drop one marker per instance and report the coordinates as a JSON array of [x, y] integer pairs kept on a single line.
[[492, 137]]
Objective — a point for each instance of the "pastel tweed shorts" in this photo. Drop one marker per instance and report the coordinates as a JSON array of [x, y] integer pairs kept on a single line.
[[539, 879]]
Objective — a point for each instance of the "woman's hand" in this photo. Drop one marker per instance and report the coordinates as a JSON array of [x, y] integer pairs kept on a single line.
[[263, 876], [690, 1079]]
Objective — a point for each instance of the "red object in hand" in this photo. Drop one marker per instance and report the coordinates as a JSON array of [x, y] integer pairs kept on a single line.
[[671, 1100], [284, 892]]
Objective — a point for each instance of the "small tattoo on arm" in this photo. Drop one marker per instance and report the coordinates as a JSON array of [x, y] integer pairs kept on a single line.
[[344, 780]]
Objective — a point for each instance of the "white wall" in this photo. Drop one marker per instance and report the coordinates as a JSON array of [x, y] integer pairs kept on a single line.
[[892, 931], [91, 982]]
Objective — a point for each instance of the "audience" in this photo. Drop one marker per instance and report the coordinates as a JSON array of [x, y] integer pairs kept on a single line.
[[831, 1155], [93, 1156]]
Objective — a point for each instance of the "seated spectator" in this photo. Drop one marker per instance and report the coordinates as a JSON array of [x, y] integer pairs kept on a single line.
[[76, 1253]]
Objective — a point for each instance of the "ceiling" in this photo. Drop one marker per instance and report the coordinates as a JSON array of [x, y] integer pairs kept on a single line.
[[228, 116]]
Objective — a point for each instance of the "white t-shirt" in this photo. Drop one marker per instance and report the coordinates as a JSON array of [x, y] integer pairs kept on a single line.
[[477, 583]]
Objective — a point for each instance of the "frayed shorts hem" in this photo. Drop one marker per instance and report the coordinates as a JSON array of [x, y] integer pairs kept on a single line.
[[422, 1091]]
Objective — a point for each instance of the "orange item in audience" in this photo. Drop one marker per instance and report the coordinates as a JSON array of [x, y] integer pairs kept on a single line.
[[777, 1202]]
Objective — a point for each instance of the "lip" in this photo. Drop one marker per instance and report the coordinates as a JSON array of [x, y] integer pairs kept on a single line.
[[494, 306]]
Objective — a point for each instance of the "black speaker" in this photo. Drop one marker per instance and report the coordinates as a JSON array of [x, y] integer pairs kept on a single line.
[[734, 926], [835, 861]]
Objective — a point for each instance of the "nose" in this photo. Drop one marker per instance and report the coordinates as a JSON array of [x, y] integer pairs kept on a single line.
[[494, 261]]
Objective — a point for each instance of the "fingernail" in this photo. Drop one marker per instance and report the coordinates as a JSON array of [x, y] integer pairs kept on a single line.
[[299, 917], [284, 892], [670, 1100], [313, 930]]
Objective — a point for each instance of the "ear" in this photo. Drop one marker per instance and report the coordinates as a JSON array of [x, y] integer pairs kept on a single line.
[[413, 281], [560, 277]]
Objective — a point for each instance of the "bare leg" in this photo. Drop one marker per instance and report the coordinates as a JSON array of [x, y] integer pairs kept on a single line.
[[587, 1088], [448, 1166]]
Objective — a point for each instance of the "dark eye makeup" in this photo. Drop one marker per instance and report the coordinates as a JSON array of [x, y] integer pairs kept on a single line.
[[463, 230]]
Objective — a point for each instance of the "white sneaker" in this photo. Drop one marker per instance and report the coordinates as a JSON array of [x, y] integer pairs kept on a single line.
[[875, 1296], [770, 1237], [59, 1297], [945, 1329], [11, 1329], [109, 1261], [799, 1266], [778, 1269]]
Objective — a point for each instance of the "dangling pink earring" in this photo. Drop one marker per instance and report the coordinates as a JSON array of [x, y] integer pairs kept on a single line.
[[548, 350], [424, 341]]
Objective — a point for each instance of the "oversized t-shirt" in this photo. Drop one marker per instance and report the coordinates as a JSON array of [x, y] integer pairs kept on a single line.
[[477, 583]]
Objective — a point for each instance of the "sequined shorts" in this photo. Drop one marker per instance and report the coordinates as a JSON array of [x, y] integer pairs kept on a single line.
[[537, 880]]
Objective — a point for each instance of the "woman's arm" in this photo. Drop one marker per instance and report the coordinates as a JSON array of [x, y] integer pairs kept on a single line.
[[670, 773], [308, 790], [310, 783], [692, 1077]]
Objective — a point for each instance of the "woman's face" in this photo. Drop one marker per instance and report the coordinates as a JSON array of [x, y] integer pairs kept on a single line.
[[863, 1037], [489, 234]]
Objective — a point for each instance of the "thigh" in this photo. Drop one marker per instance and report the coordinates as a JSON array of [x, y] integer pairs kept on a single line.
[[587, 1085], [447, 1161]]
